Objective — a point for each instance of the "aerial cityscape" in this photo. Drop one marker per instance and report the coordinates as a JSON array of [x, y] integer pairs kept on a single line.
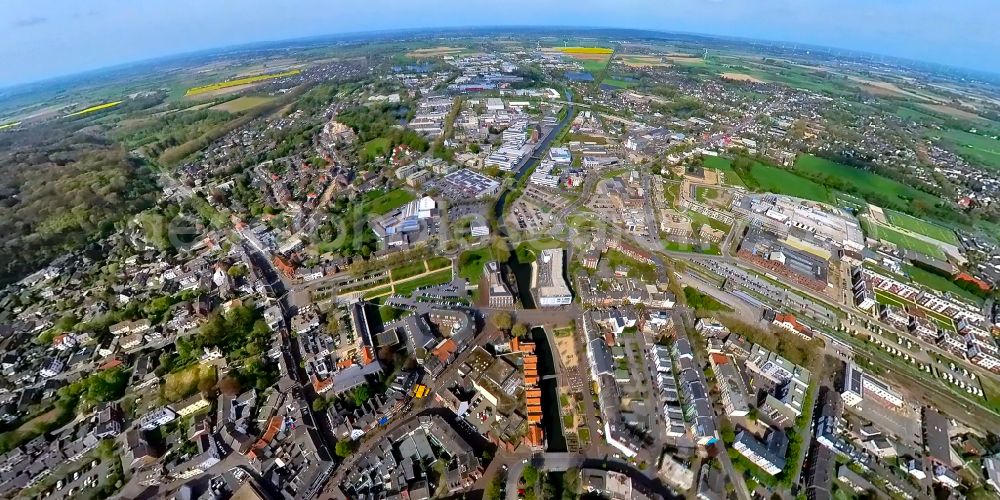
[[502, 263]]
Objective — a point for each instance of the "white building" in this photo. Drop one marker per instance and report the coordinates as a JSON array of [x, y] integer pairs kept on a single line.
[[547, 279]]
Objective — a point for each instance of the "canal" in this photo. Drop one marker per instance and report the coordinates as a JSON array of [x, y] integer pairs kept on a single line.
[[551, 421]]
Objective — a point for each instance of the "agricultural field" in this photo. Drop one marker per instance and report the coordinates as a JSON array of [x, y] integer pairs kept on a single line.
[[616, 83], [239, 82], [637, 61], [923, 227], [740, 77], [241, 104], [781, 181], [434, 52], [593, 59], [901, 240], [974, 148], [92, 109], [868, 184]]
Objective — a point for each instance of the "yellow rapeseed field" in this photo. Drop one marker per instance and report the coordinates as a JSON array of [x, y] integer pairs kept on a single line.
[[239, 81], [95, 108], [585, 50]]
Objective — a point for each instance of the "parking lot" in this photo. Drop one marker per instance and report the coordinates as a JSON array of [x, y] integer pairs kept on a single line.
[[86, 478]]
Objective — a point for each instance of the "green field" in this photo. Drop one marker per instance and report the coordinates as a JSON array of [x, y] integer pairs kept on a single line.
[[901, 240], [703, 194], [594, 67], [621, 84], [380, 203], [780, 181], [435, 278], [471, 263], [849, 200], [407, 270], [923, 227], [725, 165], [242, 104], [868, 184], [377, 147], [974, 148], [940, 283]]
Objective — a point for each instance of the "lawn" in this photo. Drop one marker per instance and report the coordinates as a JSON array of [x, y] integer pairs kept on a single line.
[[974, 147], [435, 278], [376, 147], [991, 391], [703, 194], [940, 283], [407, 270], [889, 298], [179, 385], [780, 181], [923, 227], [388, 314], [674, 246], [471, 263], [378, 202], [901, 240], [241, 104], [697, 220], [868, 184], [378, 292]]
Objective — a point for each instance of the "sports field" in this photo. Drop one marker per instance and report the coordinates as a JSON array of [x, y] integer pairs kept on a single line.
[[923, 227], [901, 240]]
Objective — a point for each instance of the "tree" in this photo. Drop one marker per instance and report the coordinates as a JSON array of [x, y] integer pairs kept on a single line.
[[320, 404], [530, 475], [345, 447], [503, 320], [571, 483], [361, 394], [229, 386], [519, 330]]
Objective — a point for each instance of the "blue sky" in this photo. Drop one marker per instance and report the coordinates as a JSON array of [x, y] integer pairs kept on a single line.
[[45, 38]]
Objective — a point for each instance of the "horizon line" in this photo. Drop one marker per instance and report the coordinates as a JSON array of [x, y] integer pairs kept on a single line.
[[4, 88]]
